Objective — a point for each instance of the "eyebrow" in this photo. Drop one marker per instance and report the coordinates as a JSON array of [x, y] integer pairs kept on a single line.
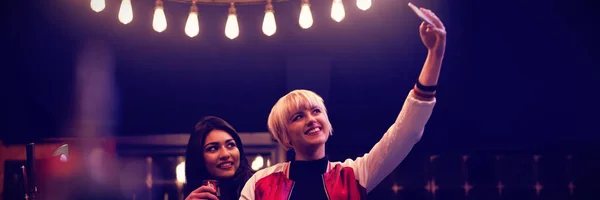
[[301, 110], [291, 118], [217, 143]]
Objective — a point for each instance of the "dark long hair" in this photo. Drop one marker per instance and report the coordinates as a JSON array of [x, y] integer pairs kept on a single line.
[[195, 168]]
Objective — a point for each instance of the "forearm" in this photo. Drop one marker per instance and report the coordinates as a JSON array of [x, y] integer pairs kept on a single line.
[[429, 76], [431, 69]]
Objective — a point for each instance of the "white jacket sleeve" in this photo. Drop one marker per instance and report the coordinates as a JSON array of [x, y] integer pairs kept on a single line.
[[248, 190], [395, 144]]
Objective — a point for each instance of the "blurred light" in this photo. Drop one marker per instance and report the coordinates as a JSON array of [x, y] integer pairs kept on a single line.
[[180, 172], [258, 162]]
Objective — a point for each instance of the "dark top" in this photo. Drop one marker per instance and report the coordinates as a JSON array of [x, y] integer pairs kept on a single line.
[[308, 179]]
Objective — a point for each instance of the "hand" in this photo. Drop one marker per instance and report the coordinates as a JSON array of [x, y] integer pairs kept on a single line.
[[202, 193], [433, 37]]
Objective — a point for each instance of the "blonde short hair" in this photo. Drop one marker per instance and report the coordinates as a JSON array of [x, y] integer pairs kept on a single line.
[[289, 104]]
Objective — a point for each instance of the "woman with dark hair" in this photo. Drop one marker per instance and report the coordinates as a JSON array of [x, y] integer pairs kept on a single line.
[[215, 152]]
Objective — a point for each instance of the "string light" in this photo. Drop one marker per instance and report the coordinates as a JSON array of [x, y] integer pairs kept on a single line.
[[305, 20], [98, 5], [269, 27], [192, 27], [232, 29], [337, 10], [159, 22], [363, 4], [125, 12]]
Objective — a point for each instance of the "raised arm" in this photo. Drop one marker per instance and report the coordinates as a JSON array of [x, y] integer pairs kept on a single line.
[[396, 143], [408, 128], [434, 38]]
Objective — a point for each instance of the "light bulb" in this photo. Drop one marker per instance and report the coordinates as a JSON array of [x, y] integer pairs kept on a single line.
[[337, 10], [232, 29], [98, 5], [191, 26], [306, 20], [159, 23], [269, 27], [363, 4], [125, 12]]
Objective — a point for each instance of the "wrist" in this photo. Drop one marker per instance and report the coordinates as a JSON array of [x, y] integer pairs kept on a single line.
[[435, 55], [429, 88], [431, 70], [423, 95]]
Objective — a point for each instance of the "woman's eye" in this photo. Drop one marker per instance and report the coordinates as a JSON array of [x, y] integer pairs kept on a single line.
[[317, 110], [231, 145], [297, 117], [210, 149]]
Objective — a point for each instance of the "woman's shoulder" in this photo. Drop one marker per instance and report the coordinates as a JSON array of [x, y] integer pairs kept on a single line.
[[279, 168]]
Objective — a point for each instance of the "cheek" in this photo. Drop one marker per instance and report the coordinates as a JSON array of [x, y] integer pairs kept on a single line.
[[235, 153], [295, 130], [325, 122], [323, 118], [209, 160], [292, 136]]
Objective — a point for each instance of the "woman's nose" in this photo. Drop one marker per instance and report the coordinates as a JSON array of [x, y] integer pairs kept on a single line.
[[310, 119], [224, 153]]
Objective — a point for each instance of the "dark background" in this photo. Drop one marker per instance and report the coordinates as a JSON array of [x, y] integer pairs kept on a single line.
[[517, 76], [514, 73]]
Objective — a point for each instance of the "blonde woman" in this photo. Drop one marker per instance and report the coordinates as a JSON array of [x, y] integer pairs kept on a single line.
[[299, 121]]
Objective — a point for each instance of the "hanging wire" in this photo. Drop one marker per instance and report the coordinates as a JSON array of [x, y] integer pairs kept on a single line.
[[227, 2]]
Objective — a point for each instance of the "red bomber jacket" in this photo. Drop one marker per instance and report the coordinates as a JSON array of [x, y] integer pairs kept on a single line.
[[352, 179]]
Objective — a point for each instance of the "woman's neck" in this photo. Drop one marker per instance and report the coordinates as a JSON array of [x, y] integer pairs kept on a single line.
[[302, 170], [308, 155]]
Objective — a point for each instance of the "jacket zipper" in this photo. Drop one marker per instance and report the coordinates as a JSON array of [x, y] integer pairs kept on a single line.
[[325, 187], [290, 195]]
